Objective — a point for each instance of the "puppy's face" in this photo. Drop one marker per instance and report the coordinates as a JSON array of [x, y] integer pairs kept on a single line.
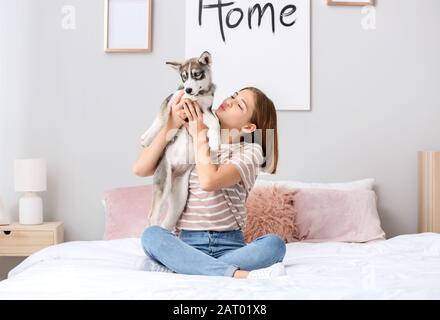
[[195, 74]]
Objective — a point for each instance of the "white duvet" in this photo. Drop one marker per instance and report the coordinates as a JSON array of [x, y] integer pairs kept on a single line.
[[405, 267]]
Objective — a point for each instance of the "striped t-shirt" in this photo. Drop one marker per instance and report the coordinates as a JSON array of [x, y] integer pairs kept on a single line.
[[224, 209]]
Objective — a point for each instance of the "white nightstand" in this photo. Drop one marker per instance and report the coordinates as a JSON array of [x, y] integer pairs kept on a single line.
[[23, 240]]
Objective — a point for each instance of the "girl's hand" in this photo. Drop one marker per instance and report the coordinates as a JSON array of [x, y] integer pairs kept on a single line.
[[177, 115], [195, 125]]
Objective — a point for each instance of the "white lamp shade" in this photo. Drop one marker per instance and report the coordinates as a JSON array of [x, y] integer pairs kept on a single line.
[[30, 175]]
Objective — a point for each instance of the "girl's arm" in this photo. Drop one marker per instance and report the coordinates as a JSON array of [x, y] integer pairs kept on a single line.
[[212, 177], [148, 159], [243, 166]]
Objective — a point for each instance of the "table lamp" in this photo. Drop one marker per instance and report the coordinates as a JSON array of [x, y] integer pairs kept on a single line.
[[4, 218], [30, 177]]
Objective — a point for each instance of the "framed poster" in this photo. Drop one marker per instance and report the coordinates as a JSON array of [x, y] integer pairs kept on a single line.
[[264, 44], [128, 25]]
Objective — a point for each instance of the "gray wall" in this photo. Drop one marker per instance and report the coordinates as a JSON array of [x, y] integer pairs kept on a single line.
[[375, 103]]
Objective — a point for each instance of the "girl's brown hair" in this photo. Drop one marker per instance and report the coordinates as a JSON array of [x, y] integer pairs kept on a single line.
[[266, 134]]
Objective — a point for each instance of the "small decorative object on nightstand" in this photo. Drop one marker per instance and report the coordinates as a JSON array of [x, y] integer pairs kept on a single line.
[[30, 177], [429, 191], [21, 240]]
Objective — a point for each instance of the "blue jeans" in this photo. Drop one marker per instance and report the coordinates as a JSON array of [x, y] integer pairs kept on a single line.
[[211, 253]]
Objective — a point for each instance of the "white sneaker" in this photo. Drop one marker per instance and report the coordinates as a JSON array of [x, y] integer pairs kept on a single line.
[[156, 267], [273, 271]]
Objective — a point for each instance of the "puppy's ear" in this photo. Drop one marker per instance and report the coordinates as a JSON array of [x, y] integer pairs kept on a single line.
[[205, 58], [174, 64]]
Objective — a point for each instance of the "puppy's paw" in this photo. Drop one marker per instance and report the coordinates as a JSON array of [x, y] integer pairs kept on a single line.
[[214, 144]]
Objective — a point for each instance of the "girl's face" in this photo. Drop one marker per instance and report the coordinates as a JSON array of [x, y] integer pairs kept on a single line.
[[236, 111]]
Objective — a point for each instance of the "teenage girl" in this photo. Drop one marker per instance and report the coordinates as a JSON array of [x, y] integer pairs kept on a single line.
[[210, 237]]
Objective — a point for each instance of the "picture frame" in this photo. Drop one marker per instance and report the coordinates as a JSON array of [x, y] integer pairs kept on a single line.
[[239, 48], [128, 26], [359, 3]]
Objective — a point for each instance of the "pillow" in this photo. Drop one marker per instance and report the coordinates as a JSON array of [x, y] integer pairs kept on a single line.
[[270, 209], [365, 184], [337, 215], [126, 211]]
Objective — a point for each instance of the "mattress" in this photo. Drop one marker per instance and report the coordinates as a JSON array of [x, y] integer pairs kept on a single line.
[[404, 267]]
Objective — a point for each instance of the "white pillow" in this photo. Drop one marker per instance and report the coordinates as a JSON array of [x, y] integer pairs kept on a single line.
[[365, 184]]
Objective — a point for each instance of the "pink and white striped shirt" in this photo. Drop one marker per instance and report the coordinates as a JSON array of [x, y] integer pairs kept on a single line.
[[223, 210]]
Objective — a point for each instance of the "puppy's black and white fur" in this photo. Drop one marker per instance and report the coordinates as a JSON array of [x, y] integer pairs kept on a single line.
[[171, 177]]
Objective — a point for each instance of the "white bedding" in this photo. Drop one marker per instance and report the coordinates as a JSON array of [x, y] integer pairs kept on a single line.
[[405, 267]]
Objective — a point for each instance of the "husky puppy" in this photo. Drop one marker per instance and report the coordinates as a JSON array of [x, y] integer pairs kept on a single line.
[[171, 177]]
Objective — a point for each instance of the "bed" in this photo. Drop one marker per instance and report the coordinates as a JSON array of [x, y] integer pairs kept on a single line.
[[404, 267]]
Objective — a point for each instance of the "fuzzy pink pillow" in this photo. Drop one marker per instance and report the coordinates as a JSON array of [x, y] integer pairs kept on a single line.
[[126, 211], [270, 209], [337, 215]]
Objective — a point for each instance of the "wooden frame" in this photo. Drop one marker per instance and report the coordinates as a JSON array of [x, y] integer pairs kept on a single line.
[[146, 45], [429, 191], [359, 3]]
